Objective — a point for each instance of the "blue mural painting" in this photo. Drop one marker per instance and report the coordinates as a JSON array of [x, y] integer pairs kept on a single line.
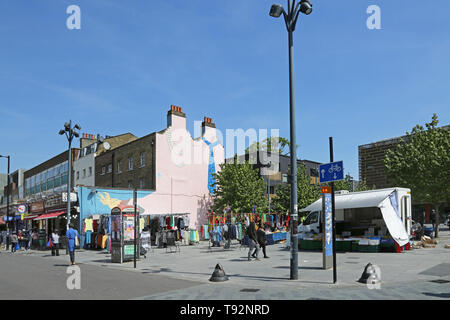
[[211, 166], [101, 201], [98, 201]]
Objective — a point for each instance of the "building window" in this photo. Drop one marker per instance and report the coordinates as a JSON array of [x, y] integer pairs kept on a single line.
[[78, 175], [119, 166], [130, 164], [142, 183], [103, 170], [109, 168], [142, 159], [84, 173], [313, 172], [90, 171], [130, 184]]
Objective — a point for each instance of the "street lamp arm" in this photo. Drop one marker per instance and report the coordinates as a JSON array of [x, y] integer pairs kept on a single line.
[[286, 20], [291, 8], [294, 22]]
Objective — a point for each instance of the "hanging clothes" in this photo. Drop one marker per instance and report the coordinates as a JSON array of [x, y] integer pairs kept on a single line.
[[88, 225]]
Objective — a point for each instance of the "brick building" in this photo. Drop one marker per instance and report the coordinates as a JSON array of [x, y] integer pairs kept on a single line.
[[91, 147], [130, 165]]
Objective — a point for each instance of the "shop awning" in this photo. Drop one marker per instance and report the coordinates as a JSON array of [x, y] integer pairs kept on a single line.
[[50, 215], [30, 217]]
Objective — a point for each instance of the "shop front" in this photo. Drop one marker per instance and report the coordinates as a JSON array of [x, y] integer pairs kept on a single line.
[[94, 223]]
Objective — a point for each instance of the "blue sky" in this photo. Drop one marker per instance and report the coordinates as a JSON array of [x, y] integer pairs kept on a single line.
[[227, 60]]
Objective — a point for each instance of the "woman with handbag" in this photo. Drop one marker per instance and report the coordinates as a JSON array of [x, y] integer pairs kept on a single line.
[[72, 237]]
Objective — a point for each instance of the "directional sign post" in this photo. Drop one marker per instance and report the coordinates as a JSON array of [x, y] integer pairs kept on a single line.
[[327, 228], [332, 171]]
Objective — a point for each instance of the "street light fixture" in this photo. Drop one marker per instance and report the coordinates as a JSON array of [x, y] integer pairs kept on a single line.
[[7, 194], [290, 19], [70, 133]]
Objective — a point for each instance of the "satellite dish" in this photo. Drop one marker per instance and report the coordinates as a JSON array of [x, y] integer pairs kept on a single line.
[[106, 145]]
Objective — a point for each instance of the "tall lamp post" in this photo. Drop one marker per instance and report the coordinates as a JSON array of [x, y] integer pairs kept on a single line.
[[70, 133], [290, 19], [7, 194]]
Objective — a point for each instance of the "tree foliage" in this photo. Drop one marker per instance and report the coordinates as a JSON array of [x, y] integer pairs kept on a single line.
[[421, 162], [273, 144], [240, 187]]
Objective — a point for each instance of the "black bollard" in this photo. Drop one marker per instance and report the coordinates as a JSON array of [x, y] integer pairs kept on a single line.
[[218, 274]]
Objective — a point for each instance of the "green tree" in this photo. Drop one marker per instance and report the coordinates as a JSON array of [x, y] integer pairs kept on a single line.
[[421, 162], [307, 193], [269, 145], [362, 186], [240, 187]]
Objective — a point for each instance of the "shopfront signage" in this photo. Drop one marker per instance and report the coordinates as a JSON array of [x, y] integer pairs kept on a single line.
[[22, 208], [73, 197], [37, 207]]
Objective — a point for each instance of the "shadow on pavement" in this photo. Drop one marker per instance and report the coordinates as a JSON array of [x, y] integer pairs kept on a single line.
[[300, 267], [439, 295]]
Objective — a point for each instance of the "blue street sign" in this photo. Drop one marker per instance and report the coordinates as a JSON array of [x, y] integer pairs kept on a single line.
[[333, 171]]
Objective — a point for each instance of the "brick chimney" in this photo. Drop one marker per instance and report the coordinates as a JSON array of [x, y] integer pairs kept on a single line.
[[87, 139], [176, 118], [208, 125]]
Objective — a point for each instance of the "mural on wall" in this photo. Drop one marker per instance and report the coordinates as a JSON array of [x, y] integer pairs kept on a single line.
[[211, 165], [101, 201]]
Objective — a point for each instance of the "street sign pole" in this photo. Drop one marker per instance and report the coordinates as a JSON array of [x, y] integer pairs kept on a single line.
[[333, 216]]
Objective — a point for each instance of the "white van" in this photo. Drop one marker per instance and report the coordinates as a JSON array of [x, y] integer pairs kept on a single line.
[[366, 213]]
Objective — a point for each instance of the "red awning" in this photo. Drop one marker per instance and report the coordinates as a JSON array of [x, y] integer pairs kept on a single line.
[[50, 215]]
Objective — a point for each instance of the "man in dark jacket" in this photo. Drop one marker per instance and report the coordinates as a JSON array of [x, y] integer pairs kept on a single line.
[[252, 241], [261, 237]]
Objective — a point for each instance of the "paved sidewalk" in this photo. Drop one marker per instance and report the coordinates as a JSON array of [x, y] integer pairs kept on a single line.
[[407, 272]]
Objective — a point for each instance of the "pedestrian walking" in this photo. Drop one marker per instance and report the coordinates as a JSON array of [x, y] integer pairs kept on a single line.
[[34, 240], [8, 240], [55, 240], [14, 241], [252, 241], [72, 236], [262, 241], [20, 239], [29, 239], [3, 243]]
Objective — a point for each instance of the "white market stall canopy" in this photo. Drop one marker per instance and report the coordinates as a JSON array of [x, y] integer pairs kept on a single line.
[[362, 199], [367, 199]]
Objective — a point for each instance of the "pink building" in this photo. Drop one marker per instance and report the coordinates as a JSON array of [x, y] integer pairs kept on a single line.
[[183, 169]]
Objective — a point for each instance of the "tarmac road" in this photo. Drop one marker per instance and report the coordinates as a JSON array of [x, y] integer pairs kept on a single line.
[[26, 277]]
